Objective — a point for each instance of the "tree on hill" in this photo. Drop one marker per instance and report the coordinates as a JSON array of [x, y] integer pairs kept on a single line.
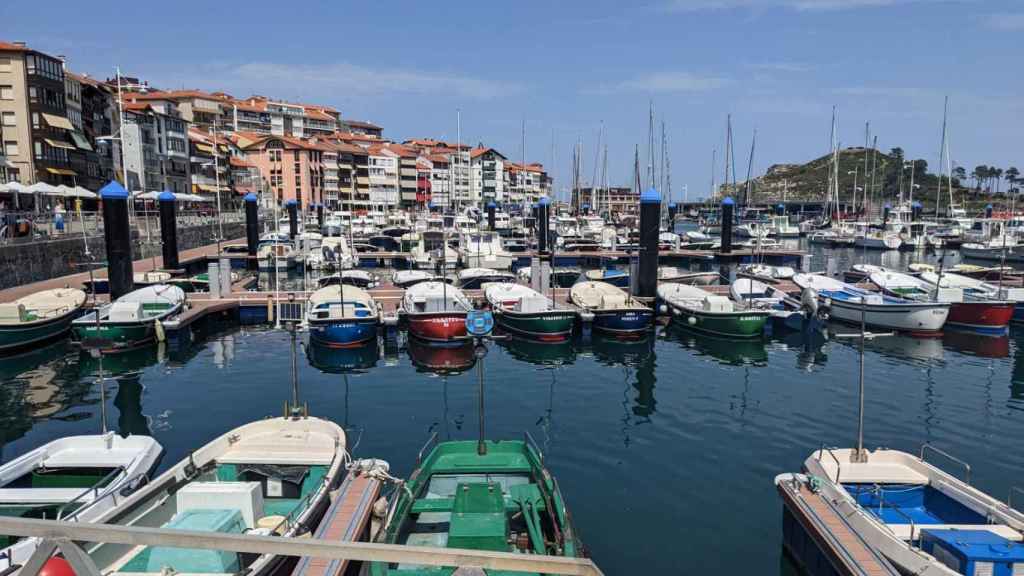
[[1012, 176]]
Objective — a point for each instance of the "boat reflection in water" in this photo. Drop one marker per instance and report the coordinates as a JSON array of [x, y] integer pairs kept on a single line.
[[539, 353], [612, 351], [441, 359], [809, 345], [899, 346], [334, 360], [977, 344], [125, 369], [723, 350], [36, 385]]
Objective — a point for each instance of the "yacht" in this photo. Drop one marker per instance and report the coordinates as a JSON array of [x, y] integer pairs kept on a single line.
[[484, 250]]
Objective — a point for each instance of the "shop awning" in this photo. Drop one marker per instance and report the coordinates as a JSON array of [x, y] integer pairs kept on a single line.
[[204, 148], [62, 171], [81, 141], [57, 121], [58, 144]]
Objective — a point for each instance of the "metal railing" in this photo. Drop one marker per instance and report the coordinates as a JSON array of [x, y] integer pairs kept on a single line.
[[31, 228], [94, 489], [432, 441], [838, 465], [967, 467], [64, 537], [533, 444]]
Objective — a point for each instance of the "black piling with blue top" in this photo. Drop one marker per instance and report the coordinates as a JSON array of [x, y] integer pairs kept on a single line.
[[293, 216], [252, 228], [650, 227], [118, 237], [915, 211], [542, 224], [168, 229], [728, 205], [780, 210], [490, 215], [320, 216], [885, 213]]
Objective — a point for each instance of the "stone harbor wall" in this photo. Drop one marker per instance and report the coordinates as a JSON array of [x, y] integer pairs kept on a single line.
[[33, 262]]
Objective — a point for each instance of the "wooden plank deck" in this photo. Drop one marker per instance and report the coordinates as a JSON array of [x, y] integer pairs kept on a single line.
[[849, 554], [346, 520]]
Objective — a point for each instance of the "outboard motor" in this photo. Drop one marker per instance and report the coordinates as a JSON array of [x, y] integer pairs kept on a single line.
[[809, 304]]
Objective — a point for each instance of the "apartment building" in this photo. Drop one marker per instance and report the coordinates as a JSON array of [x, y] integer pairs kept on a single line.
[[525, 184], [360, 127], [155, 147], [407, 173], [440, 180], [384, 179], [487, 176], [33, 113], [293, 167], [614, 200], [424, 187], [89, 111], [209, 162]]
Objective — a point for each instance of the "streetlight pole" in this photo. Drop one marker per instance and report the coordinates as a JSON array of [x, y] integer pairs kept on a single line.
[[216, 179], [854, 172]]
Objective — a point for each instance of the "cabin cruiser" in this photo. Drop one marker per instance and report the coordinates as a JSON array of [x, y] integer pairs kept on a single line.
[[274, 254], [752, 230], [484, 250], [590, 226], [502, 221], [430, 251], [335, 253]]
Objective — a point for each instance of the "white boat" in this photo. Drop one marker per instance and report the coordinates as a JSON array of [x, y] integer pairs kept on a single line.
[[752, 230], [684, 276], [977, 288], [132, 320], [877, 240], [766, 272], [335, 253], [435, 311], [342, 316], [992, 251], [75, 478], [590, 226], [407, 278], [848, 303], [860, 272], [484, 250], [922, 519], [151, 277], [357, 278], [429, 251], [474, 278], [756, 294], [273, 254], [615, 311], [269, 477], [781, 227]]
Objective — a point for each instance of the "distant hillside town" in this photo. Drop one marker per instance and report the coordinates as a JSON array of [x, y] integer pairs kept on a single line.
[[63, 127]]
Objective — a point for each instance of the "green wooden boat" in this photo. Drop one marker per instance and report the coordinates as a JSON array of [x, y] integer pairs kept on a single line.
[[130, 321], [706, 312], [38, 317], [528, 313], [502, 500]]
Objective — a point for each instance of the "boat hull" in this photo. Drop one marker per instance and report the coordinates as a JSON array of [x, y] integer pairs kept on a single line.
[[113, 336], [628, 323], [912, 318], [438, 326], [551, 326], [343, 333], [984, 317], [14, 338], [746, 324]]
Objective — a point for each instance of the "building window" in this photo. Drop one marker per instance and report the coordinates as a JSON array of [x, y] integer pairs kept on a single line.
[[8, 119], [5, 64], [39, 150], [6, 93], [11, 148]]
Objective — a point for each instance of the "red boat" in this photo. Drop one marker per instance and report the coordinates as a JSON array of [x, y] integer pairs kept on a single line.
[[981, 315], [436, 312]]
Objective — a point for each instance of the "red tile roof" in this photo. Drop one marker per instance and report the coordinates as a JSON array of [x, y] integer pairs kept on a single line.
[[362, 124], [12, 47]]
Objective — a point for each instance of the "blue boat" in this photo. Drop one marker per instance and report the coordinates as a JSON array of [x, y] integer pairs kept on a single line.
[[617, 278], [615, 312], [342, 316]]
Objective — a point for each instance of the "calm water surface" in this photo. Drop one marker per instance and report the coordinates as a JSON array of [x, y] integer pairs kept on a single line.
[[665, 449]]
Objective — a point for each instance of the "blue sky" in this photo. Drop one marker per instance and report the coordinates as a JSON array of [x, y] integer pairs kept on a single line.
[[567, 67]]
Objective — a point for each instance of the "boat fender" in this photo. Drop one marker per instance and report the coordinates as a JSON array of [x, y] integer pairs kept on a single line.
[[663, 309], [692, 320], [161, 336]]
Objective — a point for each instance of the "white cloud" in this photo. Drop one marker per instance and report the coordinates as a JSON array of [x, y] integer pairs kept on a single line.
[[663, 83], [355, 80], [798, 5], [1005, 21]]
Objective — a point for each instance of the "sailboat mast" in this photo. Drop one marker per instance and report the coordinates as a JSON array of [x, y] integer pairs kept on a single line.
[[750, 169], [650, 145], [867, 142], [942, 157], [714, 154]]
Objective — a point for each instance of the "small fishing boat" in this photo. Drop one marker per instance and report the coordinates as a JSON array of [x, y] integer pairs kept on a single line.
[[151, 277], [75, 478], [407, 278], [275, 254], [921, 518], [132, 320], [436, 312], [487, 495], [615, 311], [357, 278], [618, 278], [861, 272], [767, 273], [38, 317], [701, 310], [784, 310], [979, 288], [529, 313], [684, 276], [269, 477], [342, 316], [966, 311], [848, 303], [475, 278]]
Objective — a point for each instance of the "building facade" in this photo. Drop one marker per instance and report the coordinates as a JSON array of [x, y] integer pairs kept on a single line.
[[621, 201], [487, 176]]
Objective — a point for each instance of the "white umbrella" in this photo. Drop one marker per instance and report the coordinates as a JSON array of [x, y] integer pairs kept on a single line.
[[44, 188], [80, 192], [16, 187], [146, 195]]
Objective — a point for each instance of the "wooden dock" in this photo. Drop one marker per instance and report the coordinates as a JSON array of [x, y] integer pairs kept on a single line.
[[346, 520], [829, 533]]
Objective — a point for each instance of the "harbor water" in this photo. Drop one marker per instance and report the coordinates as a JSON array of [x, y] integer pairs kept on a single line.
[[665, 448]]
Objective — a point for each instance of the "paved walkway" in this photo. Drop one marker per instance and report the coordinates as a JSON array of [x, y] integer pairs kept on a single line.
[[76, 280]]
